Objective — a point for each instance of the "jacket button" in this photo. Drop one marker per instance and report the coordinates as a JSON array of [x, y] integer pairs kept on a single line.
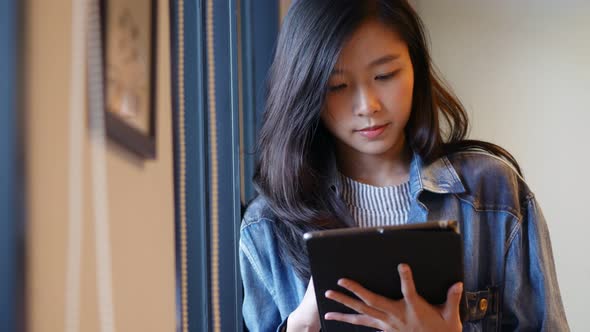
[[483, 305]]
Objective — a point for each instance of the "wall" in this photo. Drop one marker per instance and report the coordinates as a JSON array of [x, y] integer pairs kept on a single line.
[[140, 193], [522, 69]]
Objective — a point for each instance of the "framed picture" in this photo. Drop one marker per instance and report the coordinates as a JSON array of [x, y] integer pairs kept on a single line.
[[129, 57]]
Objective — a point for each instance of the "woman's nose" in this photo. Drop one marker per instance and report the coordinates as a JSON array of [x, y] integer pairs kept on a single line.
[[367, 102]]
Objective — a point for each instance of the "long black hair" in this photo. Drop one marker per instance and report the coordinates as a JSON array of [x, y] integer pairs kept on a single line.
[[294, 148]]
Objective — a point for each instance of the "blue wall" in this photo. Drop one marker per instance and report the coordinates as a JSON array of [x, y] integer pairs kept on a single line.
[[11, 299]]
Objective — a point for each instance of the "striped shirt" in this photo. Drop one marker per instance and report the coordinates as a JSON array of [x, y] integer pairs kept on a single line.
[[376, 206]]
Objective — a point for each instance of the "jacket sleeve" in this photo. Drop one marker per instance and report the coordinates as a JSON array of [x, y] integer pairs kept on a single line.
[[532, 301], [259, 309]]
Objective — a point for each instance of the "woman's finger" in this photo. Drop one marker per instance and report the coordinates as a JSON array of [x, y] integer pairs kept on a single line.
[[407, 281], [354, 304], [450, 310], [362, 320], [381, 303]]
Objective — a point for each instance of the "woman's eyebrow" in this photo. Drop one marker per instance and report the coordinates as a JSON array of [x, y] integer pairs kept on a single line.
[[379, 61], [383, 60], [336, 71]]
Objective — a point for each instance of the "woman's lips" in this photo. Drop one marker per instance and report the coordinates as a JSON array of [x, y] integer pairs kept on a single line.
[[372, 132]]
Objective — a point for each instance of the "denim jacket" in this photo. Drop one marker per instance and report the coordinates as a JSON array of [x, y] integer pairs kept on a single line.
[[510, 281]]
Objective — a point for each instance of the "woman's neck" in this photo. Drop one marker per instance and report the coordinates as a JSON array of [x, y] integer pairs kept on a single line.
[[387, 169]]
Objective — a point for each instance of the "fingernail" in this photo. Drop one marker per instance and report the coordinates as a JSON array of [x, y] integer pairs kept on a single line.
[[328, 293], [402, 268], [341, 282], [459, 288], [328, 316]]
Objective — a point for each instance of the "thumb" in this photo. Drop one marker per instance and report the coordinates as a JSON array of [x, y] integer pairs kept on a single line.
[[451, 307]]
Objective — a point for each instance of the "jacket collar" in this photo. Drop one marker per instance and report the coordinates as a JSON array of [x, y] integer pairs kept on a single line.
[[437, 177]]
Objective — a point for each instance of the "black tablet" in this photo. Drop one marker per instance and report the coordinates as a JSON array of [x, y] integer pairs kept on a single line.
[[370, 256]]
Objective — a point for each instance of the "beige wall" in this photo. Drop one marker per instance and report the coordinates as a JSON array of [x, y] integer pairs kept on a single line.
[[140, 193], [522, 68]]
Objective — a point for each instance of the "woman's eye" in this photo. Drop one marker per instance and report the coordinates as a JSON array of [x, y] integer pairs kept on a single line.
[[336, 87], [385, 76]]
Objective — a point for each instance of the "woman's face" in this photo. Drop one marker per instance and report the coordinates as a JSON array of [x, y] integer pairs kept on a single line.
[[369, 96]]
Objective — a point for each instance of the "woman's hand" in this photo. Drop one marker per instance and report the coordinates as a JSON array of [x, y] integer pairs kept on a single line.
[[306, 317], [412, 313]]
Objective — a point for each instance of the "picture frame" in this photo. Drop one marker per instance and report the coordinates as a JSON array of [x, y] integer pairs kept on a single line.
[[129, 38]]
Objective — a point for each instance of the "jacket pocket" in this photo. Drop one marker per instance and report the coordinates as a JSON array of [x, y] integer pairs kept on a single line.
[[482, 310]]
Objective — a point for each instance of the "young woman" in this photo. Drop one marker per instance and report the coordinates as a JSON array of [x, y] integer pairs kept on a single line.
[[359, 131]]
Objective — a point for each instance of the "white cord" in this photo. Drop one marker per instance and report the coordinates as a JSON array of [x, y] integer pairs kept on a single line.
[[75, 189], [98, 164], [99, 172]]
